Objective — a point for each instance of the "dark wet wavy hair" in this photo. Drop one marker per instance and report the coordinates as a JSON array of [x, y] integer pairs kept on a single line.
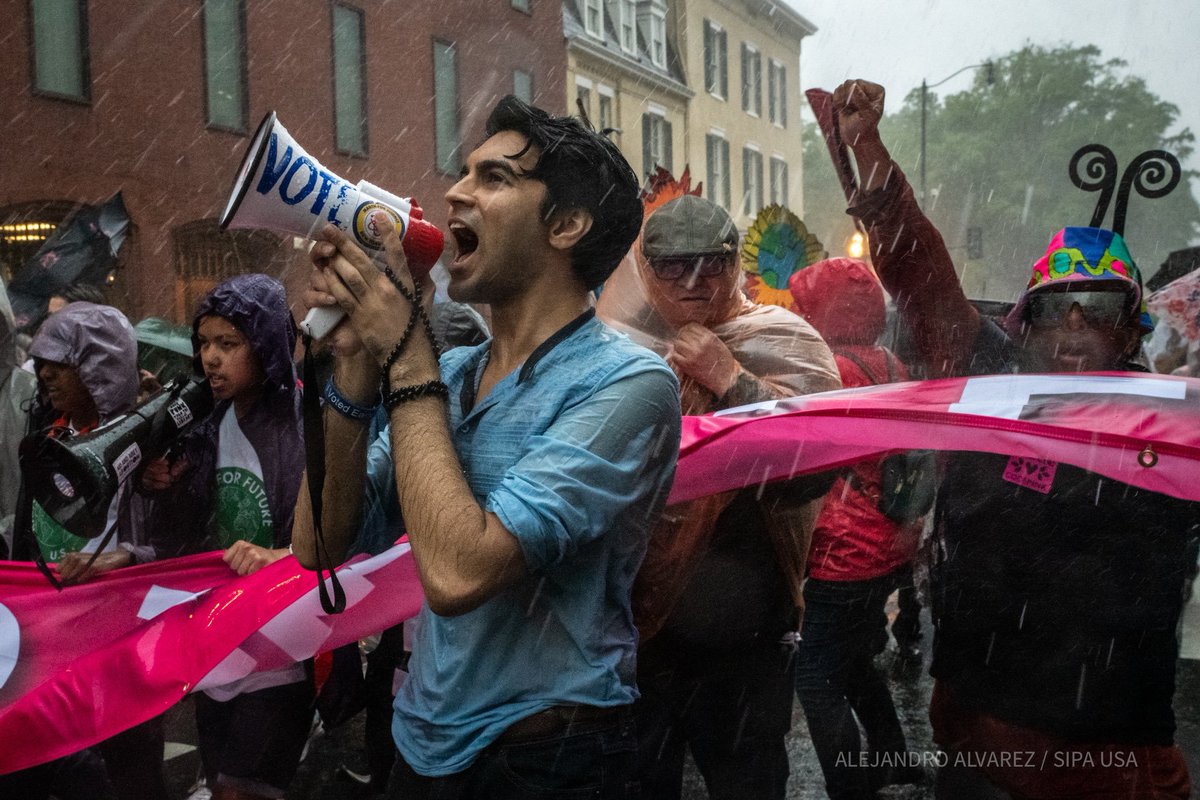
[[581, 169]]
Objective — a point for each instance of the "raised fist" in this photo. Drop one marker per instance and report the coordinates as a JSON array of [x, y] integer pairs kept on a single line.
[[859, 106]]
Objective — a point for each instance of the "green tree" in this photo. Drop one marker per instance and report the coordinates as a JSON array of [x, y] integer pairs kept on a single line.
[[997, 157]]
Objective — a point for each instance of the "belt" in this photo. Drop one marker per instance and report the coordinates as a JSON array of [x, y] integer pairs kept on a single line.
[[560, 720]]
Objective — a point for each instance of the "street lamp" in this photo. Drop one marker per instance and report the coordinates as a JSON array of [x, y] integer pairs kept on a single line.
[[991, 79]]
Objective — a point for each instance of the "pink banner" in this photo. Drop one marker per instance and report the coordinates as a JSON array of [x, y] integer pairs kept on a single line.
[[80, 665], [83, 664], [1114, 424]]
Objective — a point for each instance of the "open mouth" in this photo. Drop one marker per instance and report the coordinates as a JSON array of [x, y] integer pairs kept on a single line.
[[465, 241]]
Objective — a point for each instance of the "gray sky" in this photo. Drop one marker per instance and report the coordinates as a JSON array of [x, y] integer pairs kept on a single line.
[[899, 42]]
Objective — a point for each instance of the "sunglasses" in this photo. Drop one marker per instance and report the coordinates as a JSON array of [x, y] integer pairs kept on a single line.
[[669, 269], [1099, 309]]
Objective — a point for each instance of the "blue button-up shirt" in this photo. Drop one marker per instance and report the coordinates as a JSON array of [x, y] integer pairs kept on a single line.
[[575, 453]]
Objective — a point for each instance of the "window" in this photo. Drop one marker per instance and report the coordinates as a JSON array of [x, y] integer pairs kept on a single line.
[[716, 68], [656, 141], [658, 40], [627, 11], [779, 181], [521, 5], [751, 80], [593, 18], [583, 97], [752, 181], [24, 227], [60, 53], [349, 80], [445, 108], [225, 63], [777, 92], [717, 152], [204, 255], [523, 85], [605, 119]]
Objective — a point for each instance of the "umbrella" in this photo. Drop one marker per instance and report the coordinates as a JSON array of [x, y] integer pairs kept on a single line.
[[1179, 304], [164, 348], [82, 251]]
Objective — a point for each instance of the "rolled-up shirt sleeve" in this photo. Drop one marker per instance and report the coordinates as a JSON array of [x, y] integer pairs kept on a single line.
[[602, 458]]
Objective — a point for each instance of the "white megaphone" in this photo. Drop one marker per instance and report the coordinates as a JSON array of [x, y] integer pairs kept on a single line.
[[281, 187]]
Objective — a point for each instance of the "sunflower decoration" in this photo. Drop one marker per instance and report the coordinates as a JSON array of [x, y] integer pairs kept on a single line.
[[661, 188], [775, 247]]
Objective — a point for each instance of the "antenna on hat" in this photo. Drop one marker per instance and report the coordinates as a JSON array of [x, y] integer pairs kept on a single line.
[[1154, 173]]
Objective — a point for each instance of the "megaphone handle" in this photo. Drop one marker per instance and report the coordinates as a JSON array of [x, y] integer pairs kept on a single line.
[[319, 321]]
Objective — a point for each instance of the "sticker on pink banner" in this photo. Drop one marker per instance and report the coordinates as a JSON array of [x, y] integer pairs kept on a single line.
[[1032, 473]]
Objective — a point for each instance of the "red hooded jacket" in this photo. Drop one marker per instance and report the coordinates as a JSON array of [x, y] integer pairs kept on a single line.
[[853, 540]]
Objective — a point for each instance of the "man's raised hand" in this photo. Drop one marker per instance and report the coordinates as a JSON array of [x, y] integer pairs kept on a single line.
[[859, 106]]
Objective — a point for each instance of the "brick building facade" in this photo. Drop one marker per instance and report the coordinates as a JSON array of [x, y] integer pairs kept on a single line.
[[158, 99]]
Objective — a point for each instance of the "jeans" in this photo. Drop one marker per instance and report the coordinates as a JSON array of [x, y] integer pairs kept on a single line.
[[599, 764], [906, 627], [381, 668], [732, 708], [845, 627]]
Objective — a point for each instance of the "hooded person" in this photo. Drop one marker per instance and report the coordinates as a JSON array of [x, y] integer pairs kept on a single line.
[[1056, 591], [719, 592], [234, 485], [85, 358], [17, 391], [859, 556]]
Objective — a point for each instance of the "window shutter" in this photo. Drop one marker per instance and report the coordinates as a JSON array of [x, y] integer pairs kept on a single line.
[[783, 95], [745, 79], [667, 154], [757, 97], [710, 64], [724, 144], [709, 156], [647, 157], [724, 63], [772, 111], [747, 166], [758, 180]]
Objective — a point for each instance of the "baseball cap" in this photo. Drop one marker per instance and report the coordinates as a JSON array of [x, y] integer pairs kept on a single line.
[[689, 226]]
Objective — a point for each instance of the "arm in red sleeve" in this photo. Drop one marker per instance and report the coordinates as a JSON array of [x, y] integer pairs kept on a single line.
[[916, 269]]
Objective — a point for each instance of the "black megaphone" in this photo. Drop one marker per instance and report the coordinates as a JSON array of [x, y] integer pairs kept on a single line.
[[75, 478]]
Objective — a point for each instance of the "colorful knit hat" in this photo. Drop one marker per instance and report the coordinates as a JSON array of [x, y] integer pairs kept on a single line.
[[1084, 254]]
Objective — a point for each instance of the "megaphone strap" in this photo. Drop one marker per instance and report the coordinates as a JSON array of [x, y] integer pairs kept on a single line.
[[314, 454], [23, 535]]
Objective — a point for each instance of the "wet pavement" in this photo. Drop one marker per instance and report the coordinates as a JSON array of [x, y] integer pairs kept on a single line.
[[321, 778]]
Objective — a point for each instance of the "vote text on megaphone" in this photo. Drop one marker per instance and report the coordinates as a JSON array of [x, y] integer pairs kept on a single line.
[[281, 187]]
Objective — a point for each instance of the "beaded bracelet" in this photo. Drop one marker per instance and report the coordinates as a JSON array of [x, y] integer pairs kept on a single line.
[[405, 393], [385, 385], [352, 411], [418, 311], [414, 297]]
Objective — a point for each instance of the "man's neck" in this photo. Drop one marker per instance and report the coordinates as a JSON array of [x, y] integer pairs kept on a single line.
[[520, 326]]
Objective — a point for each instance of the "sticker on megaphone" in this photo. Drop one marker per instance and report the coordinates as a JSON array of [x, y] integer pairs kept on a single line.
[[371, 222], [281, 187]]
